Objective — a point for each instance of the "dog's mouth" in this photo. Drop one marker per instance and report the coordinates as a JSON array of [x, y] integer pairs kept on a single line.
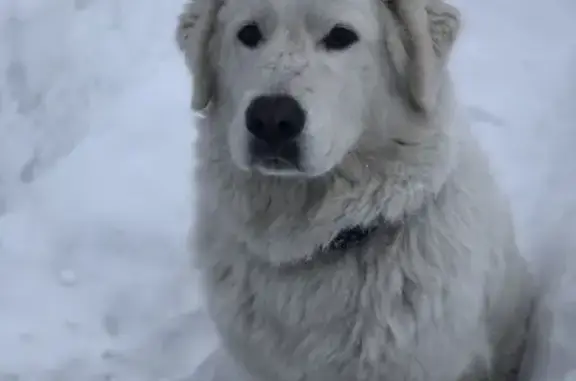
[[281, 160], [276, 166], [277, 162]]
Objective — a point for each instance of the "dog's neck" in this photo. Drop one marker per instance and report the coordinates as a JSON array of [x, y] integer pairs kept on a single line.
[[348, 241]]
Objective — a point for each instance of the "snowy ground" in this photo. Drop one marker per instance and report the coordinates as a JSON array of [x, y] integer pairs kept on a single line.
[[95, 282]]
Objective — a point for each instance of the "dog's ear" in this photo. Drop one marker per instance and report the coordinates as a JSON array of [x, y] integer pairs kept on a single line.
[[444, 24], [195, 28], [431, 28]]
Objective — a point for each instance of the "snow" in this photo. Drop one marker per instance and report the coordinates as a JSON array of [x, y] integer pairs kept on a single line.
[[95, 133]]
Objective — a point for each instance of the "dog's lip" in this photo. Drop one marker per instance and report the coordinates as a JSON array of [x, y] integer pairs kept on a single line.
[[276, 162]]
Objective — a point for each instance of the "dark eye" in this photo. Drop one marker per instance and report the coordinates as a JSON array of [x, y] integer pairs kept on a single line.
[[250, 35], [340, 38]]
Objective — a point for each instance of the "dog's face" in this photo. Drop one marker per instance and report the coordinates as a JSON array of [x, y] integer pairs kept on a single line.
[[297, 76], [294, 80]]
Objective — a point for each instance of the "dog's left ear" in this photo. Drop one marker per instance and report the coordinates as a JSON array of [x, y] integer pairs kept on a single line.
[[431, 27], [195, 28]]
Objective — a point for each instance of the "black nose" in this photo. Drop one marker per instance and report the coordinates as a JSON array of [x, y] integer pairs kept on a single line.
[[275, 119]]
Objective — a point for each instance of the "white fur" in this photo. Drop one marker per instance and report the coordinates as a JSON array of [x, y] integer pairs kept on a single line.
[[449, 298]]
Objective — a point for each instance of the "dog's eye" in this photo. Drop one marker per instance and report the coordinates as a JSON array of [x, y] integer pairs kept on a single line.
[[250, 35], [339, 38]]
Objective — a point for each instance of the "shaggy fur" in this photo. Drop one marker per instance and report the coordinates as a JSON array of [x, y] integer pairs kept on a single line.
[[446, 298]]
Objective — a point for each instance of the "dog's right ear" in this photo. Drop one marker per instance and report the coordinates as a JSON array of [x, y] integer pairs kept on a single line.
[[429, 29], [195, 28]]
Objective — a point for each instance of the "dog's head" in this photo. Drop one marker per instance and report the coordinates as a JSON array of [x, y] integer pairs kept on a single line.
[[298, 82]]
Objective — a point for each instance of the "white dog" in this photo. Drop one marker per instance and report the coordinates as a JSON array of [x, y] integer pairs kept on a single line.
[[349, 227]]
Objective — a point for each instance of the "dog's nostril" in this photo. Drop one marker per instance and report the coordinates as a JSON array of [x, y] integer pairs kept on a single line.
[[285, 129], [275, 118], [258, 126]]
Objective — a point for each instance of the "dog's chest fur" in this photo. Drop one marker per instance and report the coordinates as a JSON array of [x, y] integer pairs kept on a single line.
[[306, 317], [380, 310]]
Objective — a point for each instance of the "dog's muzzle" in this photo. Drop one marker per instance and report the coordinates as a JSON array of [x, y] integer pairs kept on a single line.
[[275, 123]]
